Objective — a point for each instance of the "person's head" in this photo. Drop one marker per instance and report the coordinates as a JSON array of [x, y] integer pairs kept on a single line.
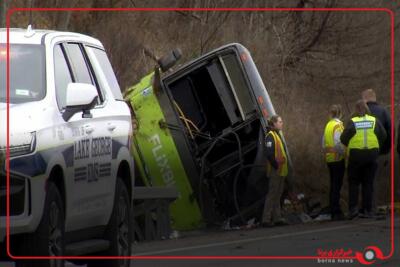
[[369, 95], [361, 108], [275, 122], [335, 111]]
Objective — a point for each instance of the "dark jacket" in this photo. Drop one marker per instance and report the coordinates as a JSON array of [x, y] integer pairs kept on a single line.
[[270, 149], [362, 154], [383, 116]]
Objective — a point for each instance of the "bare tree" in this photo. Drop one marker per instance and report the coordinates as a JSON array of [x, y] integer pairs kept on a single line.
[[308, 60], [62, 19], [3, 9]]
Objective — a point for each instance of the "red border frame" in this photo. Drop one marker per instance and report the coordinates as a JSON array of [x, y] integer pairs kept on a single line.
[[12, 10]]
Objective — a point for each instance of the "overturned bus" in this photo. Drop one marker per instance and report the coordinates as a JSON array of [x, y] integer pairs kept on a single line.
[[201, 128]]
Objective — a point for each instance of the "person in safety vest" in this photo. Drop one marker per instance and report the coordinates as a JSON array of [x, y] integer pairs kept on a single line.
[[363, 135], [277, 170], [334, 157], [383, 116]]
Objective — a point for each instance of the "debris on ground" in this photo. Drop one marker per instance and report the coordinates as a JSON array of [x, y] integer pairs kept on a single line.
[[250, 224], [174, 234], [323, 217]]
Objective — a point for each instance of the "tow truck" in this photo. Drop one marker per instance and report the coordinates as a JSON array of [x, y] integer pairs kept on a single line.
[[70, 170]]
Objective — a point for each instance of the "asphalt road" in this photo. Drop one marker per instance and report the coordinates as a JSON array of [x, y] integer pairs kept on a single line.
[[294, 240]]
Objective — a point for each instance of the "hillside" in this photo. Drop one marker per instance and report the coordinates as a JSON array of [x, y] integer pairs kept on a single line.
[[308, 60]]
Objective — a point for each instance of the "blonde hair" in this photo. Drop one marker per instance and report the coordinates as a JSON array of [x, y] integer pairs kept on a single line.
[[335, 111]]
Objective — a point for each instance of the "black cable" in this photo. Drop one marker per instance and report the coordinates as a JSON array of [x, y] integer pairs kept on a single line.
[[201, 204], [235, 187]]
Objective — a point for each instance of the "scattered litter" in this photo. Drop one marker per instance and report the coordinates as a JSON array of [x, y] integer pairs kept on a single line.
[[249, 225], [313, 207], [174, 235], [305, 218], [227, 226], [251, 222], [301, 209], [323, 217]]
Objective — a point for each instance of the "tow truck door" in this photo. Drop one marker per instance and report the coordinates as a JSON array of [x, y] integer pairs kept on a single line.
[[88, 196]]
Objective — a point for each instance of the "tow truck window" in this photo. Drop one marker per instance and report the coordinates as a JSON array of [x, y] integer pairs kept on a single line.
[[81, 69], [26, 61], [78, 64], [107, 69], [62, 76]]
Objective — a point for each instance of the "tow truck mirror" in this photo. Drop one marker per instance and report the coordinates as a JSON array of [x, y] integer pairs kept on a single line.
[[169, 60], [80, 97]]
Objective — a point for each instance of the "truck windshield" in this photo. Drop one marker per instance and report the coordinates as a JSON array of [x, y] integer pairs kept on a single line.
[[27, 70]]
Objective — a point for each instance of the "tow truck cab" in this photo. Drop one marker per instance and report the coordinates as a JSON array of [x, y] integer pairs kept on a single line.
[[68, 141]]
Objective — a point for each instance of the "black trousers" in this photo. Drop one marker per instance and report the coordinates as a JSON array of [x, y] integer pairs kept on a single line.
[[361, 173], [336, 172]]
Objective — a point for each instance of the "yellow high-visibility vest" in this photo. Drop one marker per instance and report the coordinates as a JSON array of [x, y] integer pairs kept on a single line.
[[280, 155], [365, 137], [331, 155]]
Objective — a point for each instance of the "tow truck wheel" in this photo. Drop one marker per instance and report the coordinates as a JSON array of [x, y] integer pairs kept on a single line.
[[118, 230], [48, 239]]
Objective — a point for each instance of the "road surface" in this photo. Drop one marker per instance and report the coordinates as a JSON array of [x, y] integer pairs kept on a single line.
[[294, 240]]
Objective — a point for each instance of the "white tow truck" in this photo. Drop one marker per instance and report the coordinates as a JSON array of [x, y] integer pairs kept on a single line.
[[71, 170]]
